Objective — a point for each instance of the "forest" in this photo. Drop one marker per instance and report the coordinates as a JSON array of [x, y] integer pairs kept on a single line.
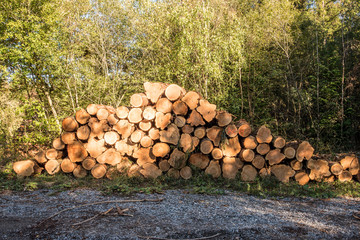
[[293, 65]]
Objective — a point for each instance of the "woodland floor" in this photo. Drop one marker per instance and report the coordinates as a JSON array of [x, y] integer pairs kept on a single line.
[[180, 215]]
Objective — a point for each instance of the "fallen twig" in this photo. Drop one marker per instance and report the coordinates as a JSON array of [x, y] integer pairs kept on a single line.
[[93, 217], [102, 202], [200, 238]]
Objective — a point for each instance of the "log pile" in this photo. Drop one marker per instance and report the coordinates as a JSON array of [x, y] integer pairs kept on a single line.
[[168, 130]]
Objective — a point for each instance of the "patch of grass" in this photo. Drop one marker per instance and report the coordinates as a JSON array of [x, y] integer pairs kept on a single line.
[[200, 183]]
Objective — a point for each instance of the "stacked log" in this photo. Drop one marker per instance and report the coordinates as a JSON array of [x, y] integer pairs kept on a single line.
[[169, 131]]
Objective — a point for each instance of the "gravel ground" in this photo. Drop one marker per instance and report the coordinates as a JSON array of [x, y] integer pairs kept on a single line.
[[179, 216]]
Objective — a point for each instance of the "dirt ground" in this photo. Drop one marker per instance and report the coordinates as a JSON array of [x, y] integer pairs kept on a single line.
[[180, 215]]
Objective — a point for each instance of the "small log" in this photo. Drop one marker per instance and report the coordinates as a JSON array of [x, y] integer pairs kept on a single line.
[[146, 142], [187, 129], [139, 100], [329, 179], [223, 118], [296, 165], [122, 112], [134, 171], [88, 163], [180, 108], [207, 110], [102, 114], [173, 92], [177, 159], [231, 130], [347, 161], [154, 134], [200, 132], [217, 154], [248, 173], [265, 172], [186, 143], [258, 161], [336, 168], [249, 142], [199, 160], [135, 115], [40, 157], [170, 135], [69, 124], [97, 129], [136, 136], [275, 157], [278, 142], [76, 152], [112, 119], [124, 128], [51, 153], [164, 105], [304, 151], [195, 119], [173, 173], [160, 149], [302, 178], [52, 166], [149, 113], [354, 167], [162, 120], [154, 91], [247, 155], [24, 168], [124, 165], [244, 128], [191, 99], [231, 147], [111, 137], [99, 171], [58, 144], [92, 109], [345, 176], [319, 169], [164, 165], [195, 142], [263, 148], [186, 172], [206, 146], [282, 172], [213, 169], [150, 170], [145, 155], [263, 135], [95, 147], [180, 121], [289, 152], [82, 116], [214, 134], [83, 133], [68, 137], [67, 166]]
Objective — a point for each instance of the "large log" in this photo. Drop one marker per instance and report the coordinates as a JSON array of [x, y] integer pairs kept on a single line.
[[304, 151], [135, 115], [345, 176], [102, 114], [206, 146], [199, 160], [214, 134], [336, 168], [160, 149], [274, 156], [52, 166], [187, 129], [24, 168], [154, 134], [186, 143], [162, 120], [79, 172], [213, 169], [99, 170], [164, 105], [67, 166], [186, 172], [76, 152], [223, 118], [247, 155], [231, 147], [52, 153], [263, 135], [302, 178], [154, 91], [249, 142], [69, 124], [124, 165], [110, 156], [207, 110], [195, 119], [112, 119], [248, 173], [164, 165], [124, 128], [122, 112], [139, 100], [191, 99], [149, 113], [98, 129], [83, 133], [111, 137], [92, 109], [244, 128], [170, 135], [88, 163], [282, 172], [150, 170], [95, 147], [145, 155], [319, 169], [40, 157], [173, 92], [134, 171], [177, 159], [263, 148], [350, 163], [173, 173], [258, 161], [230, 167], [180, 108], [82, 116]]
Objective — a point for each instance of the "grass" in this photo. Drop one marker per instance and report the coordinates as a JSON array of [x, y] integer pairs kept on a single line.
[[199, 184]]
